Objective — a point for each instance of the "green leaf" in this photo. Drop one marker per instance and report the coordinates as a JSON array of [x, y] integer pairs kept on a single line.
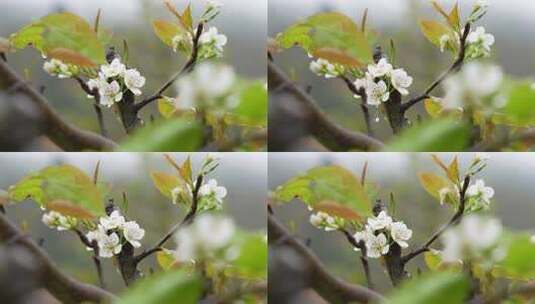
[[169, 287], [252, 259], [166, 107], [165, 183], [332, 36], [443, 135], [519, 262], [165, 259], [521, 104], [63, 31], [326, 184], [436, 288], [64, 188], [166, 136], [253, 106]]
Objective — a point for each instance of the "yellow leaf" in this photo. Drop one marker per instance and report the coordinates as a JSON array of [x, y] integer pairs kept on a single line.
[[186, 19], [453, 18], [165, 183], [185, 171], [433, 183], [335, 209], [70, 56], [439, 9], [453, 170], [338, 56], [165, 259], [70, 209], [166, 108], [433, 107], [434, 30]]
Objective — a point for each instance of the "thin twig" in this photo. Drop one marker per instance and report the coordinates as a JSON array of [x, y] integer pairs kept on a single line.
[[452, 222], [363, 259], [94, 246], [98, 110], [330, 287], [365, 111], [320, 125], [457, 64], [188, 219], [187, 68]]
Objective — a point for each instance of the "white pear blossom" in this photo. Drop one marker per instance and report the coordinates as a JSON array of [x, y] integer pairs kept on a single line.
[[56, 220], [134, 81], [113, 221], [110, 93], [114, 69], [56, 67], [479, 195], [382, 68], [376, 246], [475, 237], [444, 40], [401, 81], [208, 83], [181, 41], [175, 194], [322, 220], [97, 235], [380, 222], [211, 188], [133, 233], [400, 234], [443, 194], [377, 93], [212, 43], [479, 43], [109, 245], [207, 235]]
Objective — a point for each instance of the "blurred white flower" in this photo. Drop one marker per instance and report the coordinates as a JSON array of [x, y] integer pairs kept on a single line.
[[473, 238], [114, 69], [401, 81], [205, 85], [376, 246], [181, 42], [382, 68], [113, 221], [56, 220], [212, 43], [109, 245], [134, 81], [207, 235], [400, 234], [133, 233], [380, 222], [212, 189], [479, 43]]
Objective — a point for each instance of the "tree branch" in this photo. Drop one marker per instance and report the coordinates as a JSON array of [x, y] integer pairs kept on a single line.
[[452, 222], [187, 68], [327, 285], [365, 111], [324, 129], [61, 286], [188, 219], [457, 64], [98, 110], [363, 259], [95, 257], [65, 135]]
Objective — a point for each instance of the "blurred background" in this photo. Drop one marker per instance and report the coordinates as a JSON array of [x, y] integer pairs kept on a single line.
[[243, 174], [511, 22], [510, 174], [130, 20]]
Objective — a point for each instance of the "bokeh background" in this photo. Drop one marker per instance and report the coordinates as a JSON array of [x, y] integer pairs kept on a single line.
[[511, 22], [131, 20], [243, 174], [510, 174]]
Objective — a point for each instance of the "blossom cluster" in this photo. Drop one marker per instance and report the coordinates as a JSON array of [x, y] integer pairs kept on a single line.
[[322, 220], [380, 233], [112, 232], [56, 220], [113, 80], [477, 84], [209, 86], [208, 237], [211, 43], [210, 195], [475, 238], [379, 81], [58, 68], [324, 68]]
